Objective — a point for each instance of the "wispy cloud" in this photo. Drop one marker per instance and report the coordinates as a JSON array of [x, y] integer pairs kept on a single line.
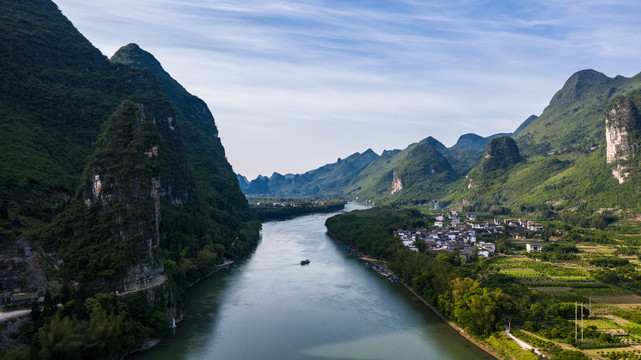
[[332, 77]]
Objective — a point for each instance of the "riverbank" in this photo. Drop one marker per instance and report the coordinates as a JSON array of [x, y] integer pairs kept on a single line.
[[146, 344], [450, 323]]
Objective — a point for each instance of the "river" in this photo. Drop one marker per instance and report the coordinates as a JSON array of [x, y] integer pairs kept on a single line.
[[270, 307]]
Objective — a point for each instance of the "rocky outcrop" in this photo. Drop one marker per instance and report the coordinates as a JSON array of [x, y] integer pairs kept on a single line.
[[131, 178], [397, 185], [143, 275], [621, 122], [500, 153]]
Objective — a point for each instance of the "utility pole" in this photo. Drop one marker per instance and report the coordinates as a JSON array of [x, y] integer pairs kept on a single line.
[[576, 321], [581, 321]]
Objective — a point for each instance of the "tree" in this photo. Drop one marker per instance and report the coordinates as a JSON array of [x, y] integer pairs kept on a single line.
[[4, 211], [36, 316], [49, 305]]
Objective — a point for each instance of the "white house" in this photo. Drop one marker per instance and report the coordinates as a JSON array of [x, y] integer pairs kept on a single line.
[[531, 247]]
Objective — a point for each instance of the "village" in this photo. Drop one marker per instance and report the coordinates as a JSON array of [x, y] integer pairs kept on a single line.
[[450, 233]]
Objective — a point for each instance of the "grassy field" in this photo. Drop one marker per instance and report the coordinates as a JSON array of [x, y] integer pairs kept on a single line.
[[538, 271], [574, 279]]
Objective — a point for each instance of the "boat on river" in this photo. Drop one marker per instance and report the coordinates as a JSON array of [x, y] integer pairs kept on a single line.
[[304, 262]]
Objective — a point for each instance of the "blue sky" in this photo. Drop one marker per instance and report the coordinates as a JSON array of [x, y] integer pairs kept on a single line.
[[295, 84]]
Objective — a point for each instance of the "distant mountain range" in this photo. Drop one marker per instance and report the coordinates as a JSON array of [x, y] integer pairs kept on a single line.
[[555, 161]]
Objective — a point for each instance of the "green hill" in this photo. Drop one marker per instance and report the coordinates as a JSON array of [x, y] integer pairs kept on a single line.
[[573, 121], [524, 124], [326, 181], [553, 164], [114, 169], [420, 173], [564, 183]]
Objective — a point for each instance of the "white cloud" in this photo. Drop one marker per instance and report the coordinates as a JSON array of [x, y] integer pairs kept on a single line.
[[328, 78]]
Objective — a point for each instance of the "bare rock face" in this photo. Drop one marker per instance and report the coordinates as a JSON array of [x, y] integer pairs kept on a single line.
[[143, 275], [620, 122], [397, 185]]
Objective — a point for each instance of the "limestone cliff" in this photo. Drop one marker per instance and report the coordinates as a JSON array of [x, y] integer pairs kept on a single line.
[[621, 123], [397, 185], [120, 213]]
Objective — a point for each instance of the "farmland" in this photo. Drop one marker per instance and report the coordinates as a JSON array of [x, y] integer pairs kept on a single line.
[[577, 280]]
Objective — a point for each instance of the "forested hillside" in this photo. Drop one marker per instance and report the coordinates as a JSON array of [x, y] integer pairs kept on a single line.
[[113, 177]]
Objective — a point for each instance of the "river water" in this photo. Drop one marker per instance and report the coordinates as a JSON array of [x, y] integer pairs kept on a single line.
[[270, 307]]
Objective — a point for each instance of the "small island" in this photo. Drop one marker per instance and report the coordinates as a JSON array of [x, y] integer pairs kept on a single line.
[[277, 208]]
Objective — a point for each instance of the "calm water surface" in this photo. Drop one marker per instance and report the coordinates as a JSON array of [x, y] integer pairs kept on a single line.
[[271, 307]]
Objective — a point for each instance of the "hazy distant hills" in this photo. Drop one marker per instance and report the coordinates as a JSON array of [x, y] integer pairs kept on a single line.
[[328, 180], [556, 161]]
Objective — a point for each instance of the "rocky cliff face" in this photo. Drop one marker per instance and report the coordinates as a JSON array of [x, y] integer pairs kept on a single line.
[[117, 211], [621, 122], [397, 185]]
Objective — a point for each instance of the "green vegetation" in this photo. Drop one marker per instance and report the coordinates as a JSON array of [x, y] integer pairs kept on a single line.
[[564, 172], [422, 171], [573, 121], [327, 181], [371, 230], [283, 208], [102, 326], [114, 169], [536, 297]]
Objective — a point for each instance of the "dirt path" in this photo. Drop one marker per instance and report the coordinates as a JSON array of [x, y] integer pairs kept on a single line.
[[617, 319], [12, 314], [522, 343], [562, 345]]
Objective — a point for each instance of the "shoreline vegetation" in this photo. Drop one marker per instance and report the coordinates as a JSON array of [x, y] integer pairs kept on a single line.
[[450, 323], [535, 293], [150, 342], [278, 208]]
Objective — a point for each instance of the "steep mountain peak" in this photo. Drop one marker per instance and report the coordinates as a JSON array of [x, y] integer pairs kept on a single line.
[[573, 121], [500, 153], [390, 153], [524, 124], [131, 54], [435, 143], [422, 160], [470, 141], [580, 84], [369, 152]]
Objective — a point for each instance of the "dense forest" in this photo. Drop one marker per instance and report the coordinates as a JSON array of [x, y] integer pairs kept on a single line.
[[115, 190]]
